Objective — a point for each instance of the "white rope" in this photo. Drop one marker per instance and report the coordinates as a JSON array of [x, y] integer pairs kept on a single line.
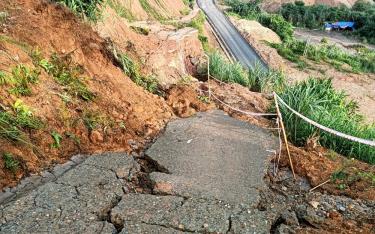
[[334, 132]]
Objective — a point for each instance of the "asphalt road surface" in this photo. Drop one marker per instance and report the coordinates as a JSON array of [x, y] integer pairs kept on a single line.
[[236, 45]]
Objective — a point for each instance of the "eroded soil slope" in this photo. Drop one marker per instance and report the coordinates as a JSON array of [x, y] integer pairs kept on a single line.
[[104, 110]]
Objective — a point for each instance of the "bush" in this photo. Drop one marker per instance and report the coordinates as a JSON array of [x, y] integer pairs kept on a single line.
[[317, 100], [252, 11]]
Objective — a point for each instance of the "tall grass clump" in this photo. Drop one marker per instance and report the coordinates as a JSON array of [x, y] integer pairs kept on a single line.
[[86, 8], [226, 71], [256, 79], [12, 124], [319, 101]]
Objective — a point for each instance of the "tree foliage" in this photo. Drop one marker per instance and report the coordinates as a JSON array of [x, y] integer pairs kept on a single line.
[[362, 13]]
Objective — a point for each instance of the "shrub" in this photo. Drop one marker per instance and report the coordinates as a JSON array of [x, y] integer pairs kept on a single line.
[[252, 11], [317, 100]]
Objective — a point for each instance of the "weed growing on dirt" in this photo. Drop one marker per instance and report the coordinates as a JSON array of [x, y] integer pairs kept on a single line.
[[10, 162], [226, 71], [86, 8], [22, 78], [56, 139], [131, 69], [24, 116], [121, 10], [198, 23], [74, 137], [68, 74], [319, 101], [151, 10], [13, 124], [94, 120], [252, 11]]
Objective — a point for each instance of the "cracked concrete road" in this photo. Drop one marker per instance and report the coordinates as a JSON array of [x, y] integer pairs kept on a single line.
[[213, 155], [215, 165]]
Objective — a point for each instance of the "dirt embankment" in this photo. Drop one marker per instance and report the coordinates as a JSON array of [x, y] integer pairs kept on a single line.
[[121, 117], [168, 53]]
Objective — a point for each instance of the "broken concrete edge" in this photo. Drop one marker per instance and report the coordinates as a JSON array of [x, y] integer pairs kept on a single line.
[[28, 184]]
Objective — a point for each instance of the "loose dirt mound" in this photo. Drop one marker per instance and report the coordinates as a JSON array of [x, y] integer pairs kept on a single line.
[[122, 116], [185, 101], [254, 30]]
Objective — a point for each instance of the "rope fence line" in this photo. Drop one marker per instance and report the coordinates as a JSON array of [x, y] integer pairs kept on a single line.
[[324, 128], [312, 122]]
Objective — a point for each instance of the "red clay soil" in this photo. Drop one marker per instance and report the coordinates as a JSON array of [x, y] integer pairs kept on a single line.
[[185, 102], [123, 111], [348, 177]]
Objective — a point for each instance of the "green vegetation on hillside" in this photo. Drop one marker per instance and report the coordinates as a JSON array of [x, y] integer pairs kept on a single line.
[[154, 13], [255, 79], [131, 69], [319, 101], [87, 8], [362, 13], [121, 10], [299, 51]]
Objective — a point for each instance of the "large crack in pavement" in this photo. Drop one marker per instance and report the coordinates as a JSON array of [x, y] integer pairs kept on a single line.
[[118, 193]]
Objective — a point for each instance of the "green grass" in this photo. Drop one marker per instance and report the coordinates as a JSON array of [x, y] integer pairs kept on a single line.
[[85, 8], [56, 140], [95, 120], [121, 10], [13, 124], [21, 79], [255, 79], [297, 51], [319, 101], [150, 10], [10, 162], [69, 75], [131, 69]]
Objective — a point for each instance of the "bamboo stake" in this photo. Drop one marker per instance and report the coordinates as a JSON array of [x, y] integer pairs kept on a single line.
[[284, 134], [319, 185]]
